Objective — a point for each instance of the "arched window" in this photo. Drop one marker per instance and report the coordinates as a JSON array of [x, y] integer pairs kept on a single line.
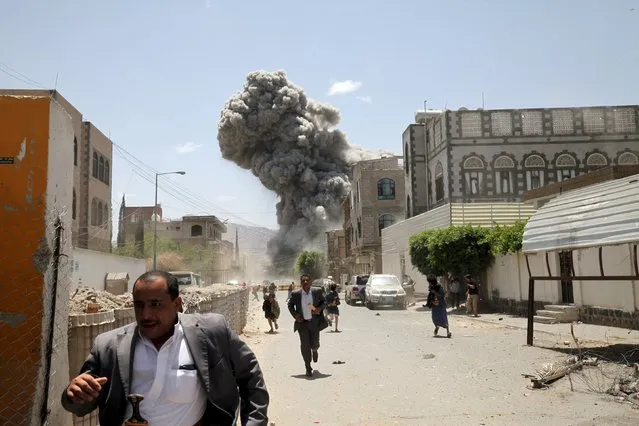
[[386, 189], [101, 169], [596, 161], [439, 182], [385, 221], [535, 166], [107, 172], [94, 212], [474, 169], [73, 206], [566, 166], [95, 164], [627, 159], [75, 151], [105, 216], [504, 167], [100, 213], [196, 231]]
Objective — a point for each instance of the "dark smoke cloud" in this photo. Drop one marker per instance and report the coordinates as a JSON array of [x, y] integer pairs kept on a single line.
[[291, 144]]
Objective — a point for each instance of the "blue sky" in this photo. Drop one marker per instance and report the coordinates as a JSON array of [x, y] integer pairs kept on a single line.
[[155, 74]]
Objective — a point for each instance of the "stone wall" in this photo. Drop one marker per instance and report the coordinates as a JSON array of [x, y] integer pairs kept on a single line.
[[609, 317], [511, 306], [84, 328]]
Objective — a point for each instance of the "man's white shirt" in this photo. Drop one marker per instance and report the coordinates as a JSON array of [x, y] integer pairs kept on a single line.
[[307, 299], [169, 381]]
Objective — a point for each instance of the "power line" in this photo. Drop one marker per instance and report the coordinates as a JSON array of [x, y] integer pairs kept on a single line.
[[19, 76]]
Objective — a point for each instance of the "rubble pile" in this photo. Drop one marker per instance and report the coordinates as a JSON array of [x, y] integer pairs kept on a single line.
[[106, 301], [627, 387]]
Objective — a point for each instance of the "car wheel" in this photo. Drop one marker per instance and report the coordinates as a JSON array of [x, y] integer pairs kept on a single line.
[[370, 306]]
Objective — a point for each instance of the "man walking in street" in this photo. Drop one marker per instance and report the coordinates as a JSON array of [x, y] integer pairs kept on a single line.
[[192, 369], [306, 305], [472, 301], [455, 291]]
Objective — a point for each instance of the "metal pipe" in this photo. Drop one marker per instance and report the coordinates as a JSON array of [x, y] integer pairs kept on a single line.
[[155, 216], [531, 310], [548, 264], [601, 268]]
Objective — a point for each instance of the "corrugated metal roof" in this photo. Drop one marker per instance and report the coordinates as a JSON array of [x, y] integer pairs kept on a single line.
[[112, 276], [599, 215]]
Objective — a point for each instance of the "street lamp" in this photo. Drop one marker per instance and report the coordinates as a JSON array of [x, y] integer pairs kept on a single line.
[[155, 214]]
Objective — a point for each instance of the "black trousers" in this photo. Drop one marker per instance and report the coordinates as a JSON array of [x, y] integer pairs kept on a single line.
[[309, 340]]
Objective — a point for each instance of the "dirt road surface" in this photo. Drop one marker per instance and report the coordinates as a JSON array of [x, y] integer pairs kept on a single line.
[[397, 373]]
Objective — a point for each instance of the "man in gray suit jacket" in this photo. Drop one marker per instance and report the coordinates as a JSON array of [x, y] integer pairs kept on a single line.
[[192, 369], [306, 305]]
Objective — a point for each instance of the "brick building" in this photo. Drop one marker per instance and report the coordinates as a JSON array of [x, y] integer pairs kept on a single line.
[[376, 201], [92, 153], [496, 155]]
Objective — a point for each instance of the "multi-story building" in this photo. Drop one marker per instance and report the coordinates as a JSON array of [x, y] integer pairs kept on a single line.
[[336, 254], [496, 155], [376, 202], [91, 202]]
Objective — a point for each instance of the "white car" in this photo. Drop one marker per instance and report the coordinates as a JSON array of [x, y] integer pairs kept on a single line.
[[385, 290]]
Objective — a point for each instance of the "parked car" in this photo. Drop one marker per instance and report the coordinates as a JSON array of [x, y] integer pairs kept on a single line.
[[354, 291], [385, 290], [324, 283], [188, 278]]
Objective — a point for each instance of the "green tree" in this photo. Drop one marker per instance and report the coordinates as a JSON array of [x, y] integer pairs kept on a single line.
[[507, 239], [312, 263], [457, 249]]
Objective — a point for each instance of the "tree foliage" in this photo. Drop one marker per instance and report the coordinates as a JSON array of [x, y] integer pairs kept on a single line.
[[170, 254], [312, 263], [463, 249], [507, 239]]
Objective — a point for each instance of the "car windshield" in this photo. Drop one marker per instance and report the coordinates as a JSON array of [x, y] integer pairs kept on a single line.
[[387, 281], [184, 279], [361, 279]]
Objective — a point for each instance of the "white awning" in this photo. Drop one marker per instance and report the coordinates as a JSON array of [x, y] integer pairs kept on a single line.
[[598, 215]]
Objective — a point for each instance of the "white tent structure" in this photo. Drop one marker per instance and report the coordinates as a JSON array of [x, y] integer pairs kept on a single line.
[[599, 215]]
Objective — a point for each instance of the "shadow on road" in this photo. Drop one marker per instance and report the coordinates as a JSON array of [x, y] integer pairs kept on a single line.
[[316, 375]]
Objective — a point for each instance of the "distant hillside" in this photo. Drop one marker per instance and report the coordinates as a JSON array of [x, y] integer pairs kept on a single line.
[[252, 239]]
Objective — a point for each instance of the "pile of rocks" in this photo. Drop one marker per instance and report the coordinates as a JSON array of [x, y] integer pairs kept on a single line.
[[627, 387], [105, 301]]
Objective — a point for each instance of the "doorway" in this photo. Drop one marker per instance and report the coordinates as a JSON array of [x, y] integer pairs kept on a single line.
[[566, 269]]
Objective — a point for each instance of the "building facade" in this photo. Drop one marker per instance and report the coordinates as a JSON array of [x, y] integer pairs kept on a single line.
[[496, 155], [91, 181], [336, 254], [376, 201]]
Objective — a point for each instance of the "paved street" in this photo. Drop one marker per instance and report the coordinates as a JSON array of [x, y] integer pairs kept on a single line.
[[396, 372]]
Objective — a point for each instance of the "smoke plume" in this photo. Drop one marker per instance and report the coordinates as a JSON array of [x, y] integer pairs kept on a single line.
[[291, 144]]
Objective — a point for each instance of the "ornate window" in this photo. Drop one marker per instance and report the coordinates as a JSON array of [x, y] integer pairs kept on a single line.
[[95, 164], [504, 168], [624, 120], [105, 218], [502, 123], [473, 169], [385, 221], [535, 167], [471, 125], [562, 122], [101, 168], [627, 159], [566, 167], [594, 121], [532, 123], [386, 189], [596, 160]]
